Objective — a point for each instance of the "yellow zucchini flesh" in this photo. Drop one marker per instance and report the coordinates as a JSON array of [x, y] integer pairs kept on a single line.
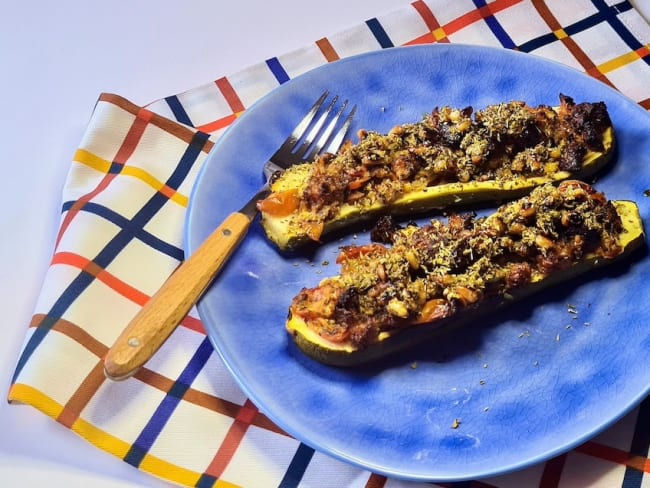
[[412, 332]]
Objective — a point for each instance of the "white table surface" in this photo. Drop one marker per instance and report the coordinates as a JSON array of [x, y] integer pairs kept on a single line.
[[55, 59]]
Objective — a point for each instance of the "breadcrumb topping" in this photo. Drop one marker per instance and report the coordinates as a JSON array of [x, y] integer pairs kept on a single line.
[[424, 274], [502, 142]]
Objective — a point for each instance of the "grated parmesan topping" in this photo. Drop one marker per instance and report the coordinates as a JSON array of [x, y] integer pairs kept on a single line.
[[424, 274], [502, 142]]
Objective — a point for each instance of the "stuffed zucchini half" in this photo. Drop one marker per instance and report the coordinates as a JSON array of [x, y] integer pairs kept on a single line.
[[451, 157], [390, 296]]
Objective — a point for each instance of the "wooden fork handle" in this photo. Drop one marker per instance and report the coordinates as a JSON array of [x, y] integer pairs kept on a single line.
[[151, 327]]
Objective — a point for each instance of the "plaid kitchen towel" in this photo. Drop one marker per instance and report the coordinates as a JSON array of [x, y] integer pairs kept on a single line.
[[120, 236]]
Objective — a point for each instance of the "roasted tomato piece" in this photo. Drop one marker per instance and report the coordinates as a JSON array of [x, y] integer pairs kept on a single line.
[[280, 204], [355, 252]]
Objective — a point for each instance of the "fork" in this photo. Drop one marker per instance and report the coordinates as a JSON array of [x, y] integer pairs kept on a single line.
[[155, 322]]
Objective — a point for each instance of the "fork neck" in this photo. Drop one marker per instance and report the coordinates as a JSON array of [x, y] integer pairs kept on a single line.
[[250, 209]]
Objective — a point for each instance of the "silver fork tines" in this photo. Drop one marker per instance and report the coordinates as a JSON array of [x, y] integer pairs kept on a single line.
[[306, 142]]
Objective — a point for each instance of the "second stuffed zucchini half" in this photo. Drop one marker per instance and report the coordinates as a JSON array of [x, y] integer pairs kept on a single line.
[[388, 297]]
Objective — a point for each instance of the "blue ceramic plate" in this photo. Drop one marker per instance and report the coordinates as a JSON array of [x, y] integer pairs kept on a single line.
[[525, 384]]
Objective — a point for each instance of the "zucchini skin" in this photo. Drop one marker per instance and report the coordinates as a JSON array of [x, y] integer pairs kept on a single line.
[[346, 355], [283, 234]]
